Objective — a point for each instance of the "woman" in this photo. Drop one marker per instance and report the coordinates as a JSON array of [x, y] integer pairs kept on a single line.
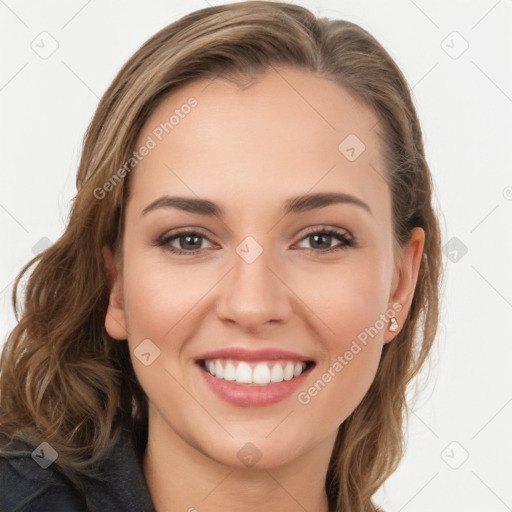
[[248, 281]]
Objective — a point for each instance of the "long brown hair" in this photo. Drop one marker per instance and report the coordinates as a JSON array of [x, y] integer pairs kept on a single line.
[[65, 381]]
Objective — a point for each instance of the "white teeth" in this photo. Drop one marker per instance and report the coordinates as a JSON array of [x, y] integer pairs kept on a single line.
[[288, 371], [277, 374], [261, 373], [243, 373], [229, 372], [219, 370]]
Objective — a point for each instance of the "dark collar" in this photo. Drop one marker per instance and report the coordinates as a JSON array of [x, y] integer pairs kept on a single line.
[[26, 485], [124, 487]]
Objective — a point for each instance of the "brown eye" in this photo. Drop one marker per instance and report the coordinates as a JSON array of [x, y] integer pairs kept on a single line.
[[321, 240], [189, 241], [183, 242]]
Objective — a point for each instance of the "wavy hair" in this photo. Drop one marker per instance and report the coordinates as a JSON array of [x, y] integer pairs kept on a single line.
[[64, 380]]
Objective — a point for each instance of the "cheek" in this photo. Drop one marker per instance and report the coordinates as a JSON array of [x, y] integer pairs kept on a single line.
[[352, 305], [158, 303], [348, 298], [158, 297]]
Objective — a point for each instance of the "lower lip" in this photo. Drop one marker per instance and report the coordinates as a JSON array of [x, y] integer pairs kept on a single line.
[[250, 396]]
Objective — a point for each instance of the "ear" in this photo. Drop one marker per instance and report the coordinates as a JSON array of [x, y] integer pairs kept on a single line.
[[405, 279], [115, 321]]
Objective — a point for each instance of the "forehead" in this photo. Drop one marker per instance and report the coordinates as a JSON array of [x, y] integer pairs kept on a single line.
[[287, 131]]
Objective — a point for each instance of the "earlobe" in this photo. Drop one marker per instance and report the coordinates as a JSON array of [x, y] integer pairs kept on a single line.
[[405, 284], [115, 321]]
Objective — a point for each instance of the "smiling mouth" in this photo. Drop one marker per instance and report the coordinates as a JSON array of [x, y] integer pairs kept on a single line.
[[254, 373]]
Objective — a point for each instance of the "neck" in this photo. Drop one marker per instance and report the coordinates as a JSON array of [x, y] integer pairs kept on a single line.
[[182, 477]]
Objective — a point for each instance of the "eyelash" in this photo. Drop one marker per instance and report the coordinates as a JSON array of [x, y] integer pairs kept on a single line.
[[164, 241]]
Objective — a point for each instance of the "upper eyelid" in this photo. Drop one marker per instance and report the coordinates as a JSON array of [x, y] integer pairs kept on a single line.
[[321, 229], [202, 231]]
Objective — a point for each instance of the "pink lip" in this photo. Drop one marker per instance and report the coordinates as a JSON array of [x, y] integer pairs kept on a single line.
[[251, 396], [243, 354]]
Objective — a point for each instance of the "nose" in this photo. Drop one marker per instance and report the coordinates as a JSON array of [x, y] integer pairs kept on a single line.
[[254, 295]]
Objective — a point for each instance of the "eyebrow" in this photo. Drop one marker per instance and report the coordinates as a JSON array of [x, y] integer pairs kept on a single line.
[[297, 204]]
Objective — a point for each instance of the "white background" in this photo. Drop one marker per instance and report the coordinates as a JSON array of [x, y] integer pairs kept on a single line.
[[465, 107]]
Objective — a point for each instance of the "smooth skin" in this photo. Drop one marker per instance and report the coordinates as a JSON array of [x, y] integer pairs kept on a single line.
[[249, 149]]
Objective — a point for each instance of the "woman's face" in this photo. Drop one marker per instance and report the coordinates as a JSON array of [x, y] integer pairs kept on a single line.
[[260, 286]]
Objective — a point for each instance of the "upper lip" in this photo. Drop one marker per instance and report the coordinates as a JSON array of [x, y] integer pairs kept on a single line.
[[244, 354]]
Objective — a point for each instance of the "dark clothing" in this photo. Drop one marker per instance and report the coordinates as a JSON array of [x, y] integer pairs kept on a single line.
[[26, 487]]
